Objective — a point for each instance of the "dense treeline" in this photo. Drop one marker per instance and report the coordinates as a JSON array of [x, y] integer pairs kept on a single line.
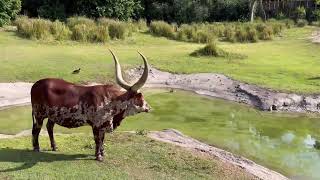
[[179, 11], [172, 11]]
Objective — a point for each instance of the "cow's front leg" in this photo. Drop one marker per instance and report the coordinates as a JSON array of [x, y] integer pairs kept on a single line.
[[50, 125], [98, 134]]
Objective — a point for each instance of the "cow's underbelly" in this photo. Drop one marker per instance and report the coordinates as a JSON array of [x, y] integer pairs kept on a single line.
[[70, 122]]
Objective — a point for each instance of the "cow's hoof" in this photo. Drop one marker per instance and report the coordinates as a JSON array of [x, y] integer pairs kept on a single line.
[[54, 149], [36, 149], [99, 158]]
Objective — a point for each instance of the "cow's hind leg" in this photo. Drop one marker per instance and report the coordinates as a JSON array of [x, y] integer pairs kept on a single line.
[[98, 134], [36, 128], [50, 125]]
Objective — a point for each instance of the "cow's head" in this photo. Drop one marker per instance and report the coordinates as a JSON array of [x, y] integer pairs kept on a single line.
[[135, 99]]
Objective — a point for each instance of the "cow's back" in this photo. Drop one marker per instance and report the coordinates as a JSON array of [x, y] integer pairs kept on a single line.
[[54, 92]]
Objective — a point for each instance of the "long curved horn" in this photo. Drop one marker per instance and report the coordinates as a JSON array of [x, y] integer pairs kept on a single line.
[[144, 76], [119, 78]]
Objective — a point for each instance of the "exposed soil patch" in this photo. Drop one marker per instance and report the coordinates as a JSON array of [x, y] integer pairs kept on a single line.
[[177, 138], [220, 86], [316, 37]]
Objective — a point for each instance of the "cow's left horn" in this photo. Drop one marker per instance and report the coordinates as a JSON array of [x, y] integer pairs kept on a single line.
[[144, 76], [119, 78]]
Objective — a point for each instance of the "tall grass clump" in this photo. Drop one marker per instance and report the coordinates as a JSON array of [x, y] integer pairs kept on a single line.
[[117, 30], [100, 34], [81, 32], [60, 31], [241, 34], [266, 32], [252, 34], [186, 33], [24, 26], [211, 49], [73, 21], [302, 22], [204, 37], [230, 34], [161, 28]]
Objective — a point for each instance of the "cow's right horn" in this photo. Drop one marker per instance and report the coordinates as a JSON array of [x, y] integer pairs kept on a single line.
[[144, 76]]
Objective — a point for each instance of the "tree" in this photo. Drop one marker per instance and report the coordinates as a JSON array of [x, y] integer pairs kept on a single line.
[[254, 4], [8, 10]]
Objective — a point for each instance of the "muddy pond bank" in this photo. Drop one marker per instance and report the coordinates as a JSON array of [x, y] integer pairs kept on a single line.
[[221, 86]]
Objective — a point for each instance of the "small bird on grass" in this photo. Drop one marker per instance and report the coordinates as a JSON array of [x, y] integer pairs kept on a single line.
[[77, 71]]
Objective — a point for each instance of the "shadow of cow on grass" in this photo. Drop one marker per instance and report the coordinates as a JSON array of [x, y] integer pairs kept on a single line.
[[31, 158]]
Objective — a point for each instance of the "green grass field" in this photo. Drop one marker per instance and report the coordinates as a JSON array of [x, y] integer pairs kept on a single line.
[[228, 125], [290, 63], [129, 156]]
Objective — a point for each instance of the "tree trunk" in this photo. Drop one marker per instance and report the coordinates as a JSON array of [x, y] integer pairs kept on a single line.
[[253, 10]]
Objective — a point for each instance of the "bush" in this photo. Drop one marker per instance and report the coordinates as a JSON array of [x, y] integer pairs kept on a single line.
[[204, 37], [266, 33], [9, 10], [186, 33], [142, 25], [229, 34], [241, 35], [252, 34], [117, 30], [210, 49], [41, 29], [301, 22], [73, 21], [24, 26], [81, 32], [60, 31], [289, 23], [100, 34], [300, 13], [161, 28]]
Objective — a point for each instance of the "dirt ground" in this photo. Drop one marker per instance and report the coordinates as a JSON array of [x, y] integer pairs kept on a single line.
[[316, 37]]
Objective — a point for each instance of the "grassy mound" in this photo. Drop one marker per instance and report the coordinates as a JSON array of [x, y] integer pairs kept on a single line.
[[128, 156], [213, 50]]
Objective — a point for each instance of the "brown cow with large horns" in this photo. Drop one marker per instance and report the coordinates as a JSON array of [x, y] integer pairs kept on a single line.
[[103, 107]]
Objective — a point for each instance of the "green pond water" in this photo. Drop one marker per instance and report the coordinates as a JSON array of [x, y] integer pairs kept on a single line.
[[281, 141]]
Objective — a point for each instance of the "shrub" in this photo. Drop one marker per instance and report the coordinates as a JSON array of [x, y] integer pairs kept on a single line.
[[60, 31], [73, 21], [300, 13], [241, 34], [252, 34], [81, 32], [210, 49], [204, 37], [142, 25], [229, 34], [267, 33], [41, 29], [24, 26], [100, 34], [161, 28], [106, 21], [288, 23], [186, 33], [9, 10], [117, 30], [301, 22]]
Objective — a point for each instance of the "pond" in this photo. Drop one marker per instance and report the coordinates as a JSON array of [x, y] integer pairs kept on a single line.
[[281, 141]]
